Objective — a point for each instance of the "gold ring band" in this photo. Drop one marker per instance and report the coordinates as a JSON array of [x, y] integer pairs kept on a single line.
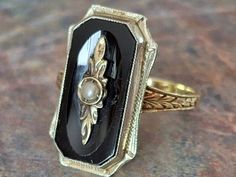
[[164, 95]]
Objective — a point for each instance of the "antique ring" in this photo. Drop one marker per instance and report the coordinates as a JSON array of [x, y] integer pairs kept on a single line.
[[104, 88]]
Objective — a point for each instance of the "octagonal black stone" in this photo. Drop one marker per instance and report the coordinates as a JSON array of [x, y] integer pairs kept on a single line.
[[120, 54]]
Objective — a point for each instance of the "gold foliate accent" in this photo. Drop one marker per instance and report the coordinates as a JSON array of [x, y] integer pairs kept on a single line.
[[91, 90], [100, 49]]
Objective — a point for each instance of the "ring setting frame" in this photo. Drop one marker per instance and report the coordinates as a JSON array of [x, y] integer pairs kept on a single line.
[[145, 54]]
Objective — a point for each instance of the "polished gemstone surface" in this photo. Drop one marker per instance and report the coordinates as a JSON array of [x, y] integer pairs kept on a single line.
[[119, 54]]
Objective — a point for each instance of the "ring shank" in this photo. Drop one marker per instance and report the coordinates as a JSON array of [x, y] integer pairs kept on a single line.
[[164, 95], [170, 87]]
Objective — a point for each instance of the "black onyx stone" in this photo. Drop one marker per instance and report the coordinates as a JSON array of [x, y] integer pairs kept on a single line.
[[119, 54]]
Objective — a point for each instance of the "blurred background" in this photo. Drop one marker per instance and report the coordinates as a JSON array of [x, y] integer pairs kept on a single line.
[[197, 46]]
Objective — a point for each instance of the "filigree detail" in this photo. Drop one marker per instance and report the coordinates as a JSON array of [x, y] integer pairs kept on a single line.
[[94, 76], [154, 100]]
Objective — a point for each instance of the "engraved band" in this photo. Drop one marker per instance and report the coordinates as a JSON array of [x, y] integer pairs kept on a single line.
[[164, 95]]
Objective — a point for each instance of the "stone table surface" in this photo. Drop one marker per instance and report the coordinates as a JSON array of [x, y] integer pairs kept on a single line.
[[197, 40]]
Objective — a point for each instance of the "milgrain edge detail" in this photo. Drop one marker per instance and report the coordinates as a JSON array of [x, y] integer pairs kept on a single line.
[[118, 14], [150, 51]]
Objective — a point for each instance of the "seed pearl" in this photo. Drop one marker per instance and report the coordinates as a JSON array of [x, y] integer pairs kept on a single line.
[[89, 91]]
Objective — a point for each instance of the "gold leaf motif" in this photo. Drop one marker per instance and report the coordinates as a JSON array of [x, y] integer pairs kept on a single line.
[[84, 112], [156, 101], [104, 81], [94, 114], [91, 67], [100, 49], [86, 129], [96, 69], [101, 67], [99, 105]]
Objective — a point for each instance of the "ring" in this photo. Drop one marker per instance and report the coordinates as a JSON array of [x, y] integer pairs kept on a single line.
[[105, 86]]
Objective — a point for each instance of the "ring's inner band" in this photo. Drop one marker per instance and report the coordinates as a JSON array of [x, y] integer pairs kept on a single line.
[[170, 87]]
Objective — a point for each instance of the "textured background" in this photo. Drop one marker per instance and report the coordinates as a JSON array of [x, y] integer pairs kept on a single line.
[[197, 40]]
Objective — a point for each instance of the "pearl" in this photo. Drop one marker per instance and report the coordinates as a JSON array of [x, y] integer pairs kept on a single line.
[[89, 91]]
